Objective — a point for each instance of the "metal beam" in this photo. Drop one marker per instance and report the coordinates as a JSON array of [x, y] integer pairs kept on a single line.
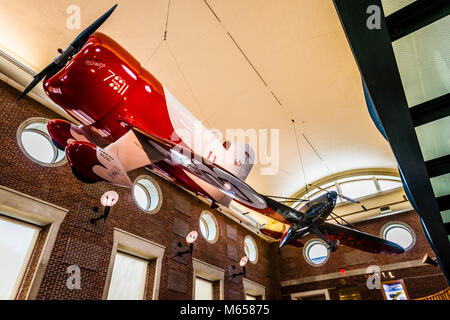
[[431, 110], [443, 202], [415, 16], [375, 57], [438, 166]]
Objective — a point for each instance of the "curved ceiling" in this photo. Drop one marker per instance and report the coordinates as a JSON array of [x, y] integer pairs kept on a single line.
[[235, 64]]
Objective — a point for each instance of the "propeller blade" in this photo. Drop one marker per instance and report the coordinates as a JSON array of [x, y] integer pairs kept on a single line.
[[81, 39], [67, 54], [36, 80], [340, 195], [348, 199]]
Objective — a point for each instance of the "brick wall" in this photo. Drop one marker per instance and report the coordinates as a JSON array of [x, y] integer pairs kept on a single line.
[[89, 247]]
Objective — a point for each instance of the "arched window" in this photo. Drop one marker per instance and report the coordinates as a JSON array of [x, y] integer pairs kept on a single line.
[[399, 233], [147, 194], [316, 252], [353, 187], [251, 250], [36, 143], [208, 227]]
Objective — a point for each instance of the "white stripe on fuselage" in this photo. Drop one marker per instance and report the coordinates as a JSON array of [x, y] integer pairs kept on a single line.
[[197, 137]]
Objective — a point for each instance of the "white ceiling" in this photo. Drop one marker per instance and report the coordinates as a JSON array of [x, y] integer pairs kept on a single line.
[[297, 47]]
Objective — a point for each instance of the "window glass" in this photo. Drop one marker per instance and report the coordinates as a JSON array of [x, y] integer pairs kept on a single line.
[[431, 147], [354, 187], [399, 234], [141, 196], [391, 6], [441, 185], [128, 278], [250, 249], [147, 195], [203, 289], [208, 227], [37, 144], [389, 184], [17, 241], [316, 252], [423, 62], [357, 189]]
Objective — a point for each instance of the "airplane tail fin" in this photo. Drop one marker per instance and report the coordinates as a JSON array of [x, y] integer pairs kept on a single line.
[[279, 235], [243, 159]]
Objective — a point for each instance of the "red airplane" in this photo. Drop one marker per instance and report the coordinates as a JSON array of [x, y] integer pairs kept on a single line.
[[130, 120]]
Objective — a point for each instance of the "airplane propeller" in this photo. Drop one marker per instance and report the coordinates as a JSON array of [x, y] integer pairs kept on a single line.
[[66, 55], [339, 195]]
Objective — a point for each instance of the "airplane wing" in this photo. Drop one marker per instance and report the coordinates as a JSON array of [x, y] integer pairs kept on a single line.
[[158, 149], [281, 212], [277, 235], [359, 240]]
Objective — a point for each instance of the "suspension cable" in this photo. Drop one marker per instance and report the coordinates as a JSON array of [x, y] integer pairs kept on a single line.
[[348, 223]]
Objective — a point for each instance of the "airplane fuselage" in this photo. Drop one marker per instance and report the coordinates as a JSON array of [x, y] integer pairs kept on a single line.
[[314, 213]]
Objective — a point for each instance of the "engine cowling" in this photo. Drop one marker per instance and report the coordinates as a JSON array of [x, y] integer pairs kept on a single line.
[[103, 71]]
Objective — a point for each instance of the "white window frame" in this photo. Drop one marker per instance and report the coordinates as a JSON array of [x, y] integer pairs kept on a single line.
[[158, 189], [216, 225], [139, 247], [254, 289], [25, 208], [305, 252], [208, 272], [28, 255], [256, 249], [22, 128], [404, 225], [311, 293]]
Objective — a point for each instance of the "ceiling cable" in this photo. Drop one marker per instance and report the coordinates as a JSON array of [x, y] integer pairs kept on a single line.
[[167, 21], [286, 198], [189, 86], [155, 51], [318, 155], [300, 157]]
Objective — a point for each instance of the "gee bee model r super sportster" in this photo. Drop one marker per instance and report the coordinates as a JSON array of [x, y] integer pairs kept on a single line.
[[130, 120]]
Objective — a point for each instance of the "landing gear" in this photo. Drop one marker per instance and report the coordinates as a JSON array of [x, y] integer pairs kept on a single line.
[[58, 146], [332, 246]]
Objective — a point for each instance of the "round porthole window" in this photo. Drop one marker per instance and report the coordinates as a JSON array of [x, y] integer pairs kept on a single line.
[[147, 194], [251, 250], [208, 227], [316, 252], [400, 234], [36, 143]]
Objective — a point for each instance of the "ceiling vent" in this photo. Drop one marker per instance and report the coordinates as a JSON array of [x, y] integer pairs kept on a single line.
[[385, 209]]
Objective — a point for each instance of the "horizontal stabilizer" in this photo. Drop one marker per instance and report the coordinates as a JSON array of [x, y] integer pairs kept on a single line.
[[277, 235], [287, 213]]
